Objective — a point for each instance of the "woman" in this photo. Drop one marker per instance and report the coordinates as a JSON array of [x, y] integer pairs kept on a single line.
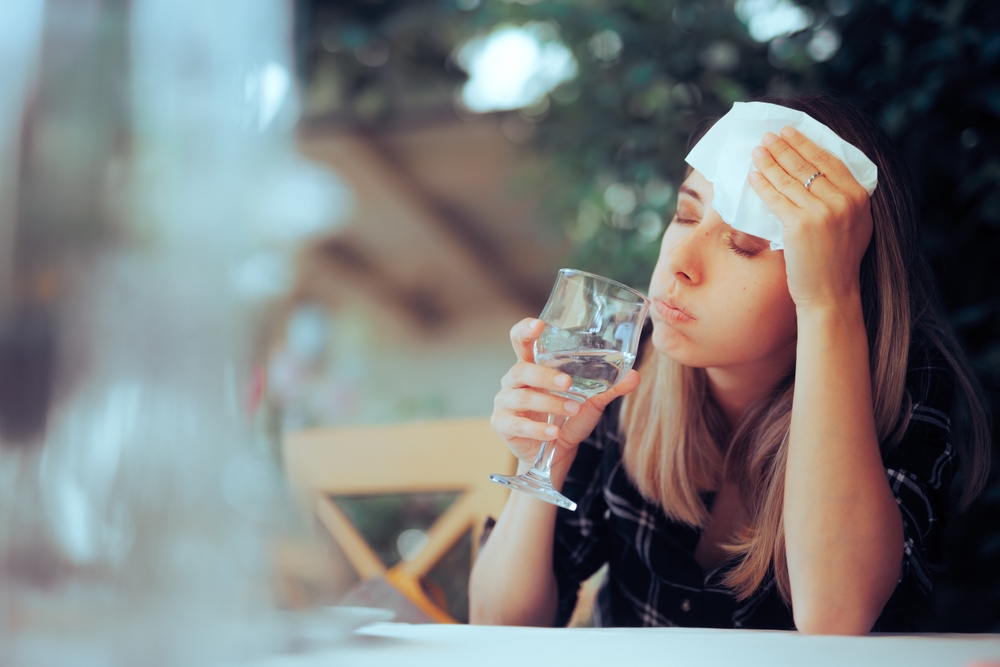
[[786, 460]]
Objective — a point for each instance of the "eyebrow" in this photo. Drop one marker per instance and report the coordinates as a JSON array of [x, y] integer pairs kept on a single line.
[[685, 190]]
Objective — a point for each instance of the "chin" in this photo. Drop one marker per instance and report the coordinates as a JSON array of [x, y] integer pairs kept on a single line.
[[673, 344]]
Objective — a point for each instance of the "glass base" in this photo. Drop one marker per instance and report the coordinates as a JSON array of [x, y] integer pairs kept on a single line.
[[536, 486]]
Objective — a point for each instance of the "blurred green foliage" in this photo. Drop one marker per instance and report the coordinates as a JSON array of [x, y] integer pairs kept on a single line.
[[616, 135], [650, 70]]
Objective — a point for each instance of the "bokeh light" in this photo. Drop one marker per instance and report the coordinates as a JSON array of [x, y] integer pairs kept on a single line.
[[767, 19], [514, 67]]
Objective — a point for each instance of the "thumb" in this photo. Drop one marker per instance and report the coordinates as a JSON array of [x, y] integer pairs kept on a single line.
[[627, 385]]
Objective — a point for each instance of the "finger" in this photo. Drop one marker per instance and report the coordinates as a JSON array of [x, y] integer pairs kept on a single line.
[[779, 204], [825, 162], [511, 426], [527, 374], [532, 400], [523, 336], [783, 182], [626, 385], [796, 166]]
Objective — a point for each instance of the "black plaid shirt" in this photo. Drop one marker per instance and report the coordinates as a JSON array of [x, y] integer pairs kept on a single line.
[[653, 578]]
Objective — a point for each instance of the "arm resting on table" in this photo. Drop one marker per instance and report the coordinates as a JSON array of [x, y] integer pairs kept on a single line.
[[843, 529]]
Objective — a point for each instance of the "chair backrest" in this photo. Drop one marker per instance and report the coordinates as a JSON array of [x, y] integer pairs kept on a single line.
[[451, 454], [448, 455]]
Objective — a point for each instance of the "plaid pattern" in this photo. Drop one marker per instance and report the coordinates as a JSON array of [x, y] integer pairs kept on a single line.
[[653, 578]]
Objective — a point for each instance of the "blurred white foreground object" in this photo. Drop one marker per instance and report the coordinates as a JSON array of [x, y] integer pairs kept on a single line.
[[136, 520]]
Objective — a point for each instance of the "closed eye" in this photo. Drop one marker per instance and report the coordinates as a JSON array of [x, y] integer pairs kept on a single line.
[[685, 221], [683, 218], [742, 252]]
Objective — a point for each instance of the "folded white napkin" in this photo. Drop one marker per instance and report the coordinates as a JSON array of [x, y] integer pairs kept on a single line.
[[723, 156]]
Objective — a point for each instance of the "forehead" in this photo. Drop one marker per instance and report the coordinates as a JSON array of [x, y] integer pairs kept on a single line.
[[699, 185]]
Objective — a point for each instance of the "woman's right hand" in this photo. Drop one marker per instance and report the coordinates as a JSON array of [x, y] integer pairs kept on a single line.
[[521, 408]]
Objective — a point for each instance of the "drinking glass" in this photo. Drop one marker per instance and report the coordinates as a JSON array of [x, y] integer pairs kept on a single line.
[[592, 327]]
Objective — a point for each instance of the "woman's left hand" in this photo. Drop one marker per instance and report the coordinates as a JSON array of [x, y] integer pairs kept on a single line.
[[825, 228]]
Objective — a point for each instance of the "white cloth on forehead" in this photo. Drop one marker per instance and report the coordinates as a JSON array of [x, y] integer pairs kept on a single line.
[[723, 156]]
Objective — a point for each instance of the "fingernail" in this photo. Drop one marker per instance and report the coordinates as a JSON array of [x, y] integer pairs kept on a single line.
[[534, 324], [572, 407], [563, 381], [769, 137], [787, 131], [754, 176], [551, 431], [759, 152]]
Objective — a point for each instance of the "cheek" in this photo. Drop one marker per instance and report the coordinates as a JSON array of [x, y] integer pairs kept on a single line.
[[763, 314], [749, 316]]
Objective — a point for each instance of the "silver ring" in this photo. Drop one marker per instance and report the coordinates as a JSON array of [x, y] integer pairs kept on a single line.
[[812, 178]]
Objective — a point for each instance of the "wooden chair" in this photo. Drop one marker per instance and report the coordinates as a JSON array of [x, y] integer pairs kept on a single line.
[[450, 455]]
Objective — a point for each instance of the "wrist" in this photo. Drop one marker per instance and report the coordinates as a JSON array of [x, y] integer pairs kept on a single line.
[[846, 307], [833, 327]]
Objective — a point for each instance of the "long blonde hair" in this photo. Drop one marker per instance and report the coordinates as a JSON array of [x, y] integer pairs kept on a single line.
[[679, 446]]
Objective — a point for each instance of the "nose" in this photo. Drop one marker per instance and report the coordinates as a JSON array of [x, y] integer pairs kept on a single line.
[[684, 259]]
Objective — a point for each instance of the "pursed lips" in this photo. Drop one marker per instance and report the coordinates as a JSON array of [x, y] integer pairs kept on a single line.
[[670, 311]]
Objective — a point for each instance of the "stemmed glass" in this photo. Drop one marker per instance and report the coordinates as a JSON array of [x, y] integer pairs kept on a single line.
[[592, 327]]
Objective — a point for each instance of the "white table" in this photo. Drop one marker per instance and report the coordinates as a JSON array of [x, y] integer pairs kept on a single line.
[[402, 645]]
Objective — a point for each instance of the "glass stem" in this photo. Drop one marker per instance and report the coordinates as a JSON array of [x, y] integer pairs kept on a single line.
[[543, 462]]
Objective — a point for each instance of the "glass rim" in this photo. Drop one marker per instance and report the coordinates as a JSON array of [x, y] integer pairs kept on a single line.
[[642, 297]]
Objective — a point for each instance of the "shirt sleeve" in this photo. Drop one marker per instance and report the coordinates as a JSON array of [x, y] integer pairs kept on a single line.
[[580, 545], [920, 470]]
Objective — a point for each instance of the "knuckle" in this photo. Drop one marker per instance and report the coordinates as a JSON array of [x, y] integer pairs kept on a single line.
[[822, 157], [516, 372], [502, 427], [507, 426], [840, 202], [785, 181]]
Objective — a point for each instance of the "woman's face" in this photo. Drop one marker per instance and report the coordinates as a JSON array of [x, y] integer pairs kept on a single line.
[[720, 297]]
